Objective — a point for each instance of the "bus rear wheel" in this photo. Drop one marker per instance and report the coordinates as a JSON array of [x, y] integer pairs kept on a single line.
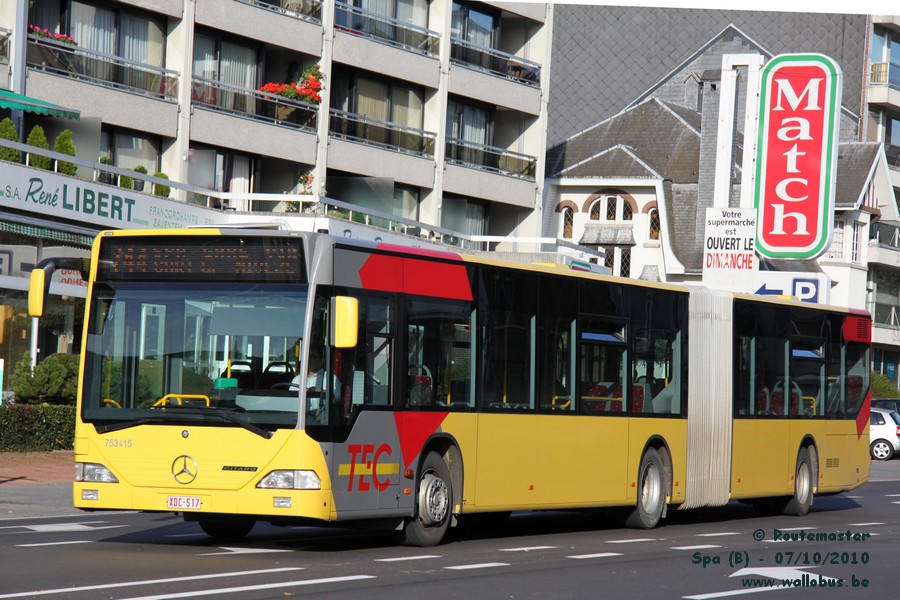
[[433, 507], [804, 483], [651, 492], [227, 531]]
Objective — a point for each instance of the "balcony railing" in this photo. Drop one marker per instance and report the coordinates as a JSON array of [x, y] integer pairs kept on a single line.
[[101, 69], [885, 234], [495, 62], [307, 10], [393, 31], [884, 73], [379, 133], [886, 314], [253, 104], [490, 158]]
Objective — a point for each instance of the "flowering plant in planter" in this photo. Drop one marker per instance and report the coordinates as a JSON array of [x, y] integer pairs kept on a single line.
[[307, 89], [306, 182], [51, 35]]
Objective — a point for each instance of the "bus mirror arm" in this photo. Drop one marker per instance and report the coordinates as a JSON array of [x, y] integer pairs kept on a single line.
[[39, 284]]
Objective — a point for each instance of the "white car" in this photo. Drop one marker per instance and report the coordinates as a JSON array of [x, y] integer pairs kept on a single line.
[[884, 434]]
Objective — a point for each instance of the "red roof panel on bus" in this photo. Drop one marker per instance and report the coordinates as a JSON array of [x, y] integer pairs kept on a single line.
[[416, 276]]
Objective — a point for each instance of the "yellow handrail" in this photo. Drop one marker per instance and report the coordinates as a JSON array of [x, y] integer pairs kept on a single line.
[[180, 398]]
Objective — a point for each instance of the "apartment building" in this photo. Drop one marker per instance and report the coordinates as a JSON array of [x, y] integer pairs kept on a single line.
[[882, 124], [431, 111]]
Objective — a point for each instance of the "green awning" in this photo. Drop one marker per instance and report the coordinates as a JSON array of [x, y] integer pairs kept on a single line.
[[15, 101], [34, 231]]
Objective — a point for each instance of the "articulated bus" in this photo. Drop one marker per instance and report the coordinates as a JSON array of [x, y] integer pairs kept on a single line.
[[238, 376]]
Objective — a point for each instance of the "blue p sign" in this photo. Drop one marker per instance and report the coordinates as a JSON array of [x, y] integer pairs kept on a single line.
[[806, 290]]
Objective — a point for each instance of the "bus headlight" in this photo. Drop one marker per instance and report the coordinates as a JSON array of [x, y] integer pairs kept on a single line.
[[94, 473], [290, 480]]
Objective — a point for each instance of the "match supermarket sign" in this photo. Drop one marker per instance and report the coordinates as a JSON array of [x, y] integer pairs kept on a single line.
[[796, 156], [729, 261]]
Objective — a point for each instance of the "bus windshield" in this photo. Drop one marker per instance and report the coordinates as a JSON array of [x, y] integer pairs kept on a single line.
[[193, 352]]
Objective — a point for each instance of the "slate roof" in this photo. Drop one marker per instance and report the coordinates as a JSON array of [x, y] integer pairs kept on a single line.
[[652, 139]]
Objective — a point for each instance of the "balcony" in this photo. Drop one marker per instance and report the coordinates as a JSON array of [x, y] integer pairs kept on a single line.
[[101, 69], [489, 158], [385, 29], [252, 104], [306, 10], [382, 134], [495, 62]]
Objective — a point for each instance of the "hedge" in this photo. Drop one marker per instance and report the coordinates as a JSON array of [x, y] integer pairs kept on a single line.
[[34, 428]]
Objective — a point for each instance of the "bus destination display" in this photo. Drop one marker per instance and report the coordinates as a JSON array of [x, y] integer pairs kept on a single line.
[[224, 258]]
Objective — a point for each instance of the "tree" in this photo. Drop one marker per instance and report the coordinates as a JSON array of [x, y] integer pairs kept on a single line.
[[38, 139], [54, 380], [8, 132], [883, 387], [64, 145]]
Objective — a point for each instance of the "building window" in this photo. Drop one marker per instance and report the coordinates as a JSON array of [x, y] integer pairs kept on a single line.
[[654, 224], [568, 219], [625, 262], [469, 122], [617, 209], [464, 215], [836, 250], [856, 248], [610, 258], [476, 26], [379, 99], [129, 149], [226, 62]]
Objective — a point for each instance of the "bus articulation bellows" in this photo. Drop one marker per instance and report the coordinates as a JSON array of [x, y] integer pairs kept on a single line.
[[447, 386]]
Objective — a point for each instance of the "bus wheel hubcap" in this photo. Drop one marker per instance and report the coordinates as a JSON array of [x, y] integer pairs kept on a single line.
[[434, 500], [650, 487]]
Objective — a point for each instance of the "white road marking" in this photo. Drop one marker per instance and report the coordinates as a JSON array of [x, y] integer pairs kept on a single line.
[[107, 586], [526, 549], [253, 588], [477, 566], [732, 593], [236, 551], [402, 558], [598, 555], [64, 527], [699, 547], [631, 541], [54, 544], [864, 524]]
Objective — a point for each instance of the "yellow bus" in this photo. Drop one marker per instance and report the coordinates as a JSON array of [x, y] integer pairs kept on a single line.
[[237, 376]]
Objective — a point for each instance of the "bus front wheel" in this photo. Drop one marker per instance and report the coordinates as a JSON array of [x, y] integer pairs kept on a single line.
[[804, 483], [651, 492], [434, 504]]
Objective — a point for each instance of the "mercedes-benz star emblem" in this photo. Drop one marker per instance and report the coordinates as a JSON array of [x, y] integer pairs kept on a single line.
[[184, 469]]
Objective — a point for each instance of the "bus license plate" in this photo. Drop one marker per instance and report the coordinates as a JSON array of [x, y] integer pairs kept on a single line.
[[183, 502]]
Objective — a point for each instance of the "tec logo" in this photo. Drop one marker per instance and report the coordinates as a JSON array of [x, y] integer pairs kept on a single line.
[[366, 468]]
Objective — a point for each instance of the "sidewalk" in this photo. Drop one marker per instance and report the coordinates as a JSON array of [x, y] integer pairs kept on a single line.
[[36, 484], [30, 468]]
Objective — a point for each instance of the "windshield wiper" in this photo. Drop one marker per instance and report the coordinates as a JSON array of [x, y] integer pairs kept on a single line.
[[126, 424], [223, 414]]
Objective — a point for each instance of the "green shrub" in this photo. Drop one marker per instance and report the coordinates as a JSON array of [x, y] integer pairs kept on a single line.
[[8, 132], [28, 428], [38, 139], [159, 189], [64, 145], [883, 387], [126, 182], [54, 379]]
